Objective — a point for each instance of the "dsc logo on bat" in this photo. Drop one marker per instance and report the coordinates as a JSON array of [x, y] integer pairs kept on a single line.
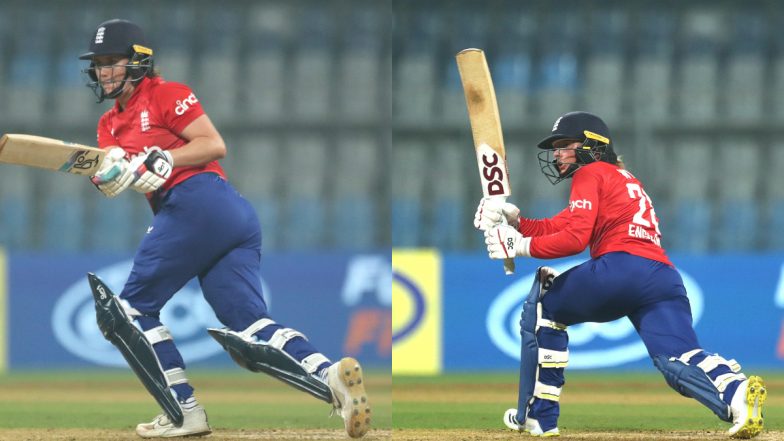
[[492, 170]]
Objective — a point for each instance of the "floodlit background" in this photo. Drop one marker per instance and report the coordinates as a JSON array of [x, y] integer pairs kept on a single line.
[[693, 93], [300, 92]]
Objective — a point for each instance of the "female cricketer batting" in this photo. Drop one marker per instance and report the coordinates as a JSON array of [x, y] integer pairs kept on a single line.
[[628, 274], [161, 144]]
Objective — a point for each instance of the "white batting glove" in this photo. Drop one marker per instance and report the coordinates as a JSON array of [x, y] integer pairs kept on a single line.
[[114, 175], [504, 241], [492, 211], [151, 169]]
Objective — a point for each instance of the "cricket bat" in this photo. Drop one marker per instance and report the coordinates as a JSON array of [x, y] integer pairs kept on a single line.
[[50, 154], [486, 127]]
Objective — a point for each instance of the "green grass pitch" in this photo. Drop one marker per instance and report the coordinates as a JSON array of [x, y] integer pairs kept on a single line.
[[590, 402], [107, 404]]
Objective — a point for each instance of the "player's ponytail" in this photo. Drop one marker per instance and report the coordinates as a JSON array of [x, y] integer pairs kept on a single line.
[[153, 73], [619, 162]]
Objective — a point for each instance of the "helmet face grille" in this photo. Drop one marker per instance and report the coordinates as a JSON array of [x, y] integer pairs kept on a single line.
[[590, 151], [136, 69]]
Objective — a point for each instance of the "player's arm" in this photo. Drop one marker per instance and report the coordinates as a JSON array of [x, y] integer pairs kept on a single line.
[[574, 227], [204, 145], [579, 220], [542, 227], [492, 212]]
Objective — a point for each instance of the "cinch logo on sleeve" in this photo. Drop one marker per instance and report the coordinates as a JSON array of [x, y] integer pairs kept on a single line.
[[583, 203], [184, 105]]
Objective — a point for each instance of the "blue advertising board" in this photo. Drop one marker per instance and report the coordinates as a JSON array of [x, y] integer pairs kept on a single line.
[[737, 307], [341, 301]]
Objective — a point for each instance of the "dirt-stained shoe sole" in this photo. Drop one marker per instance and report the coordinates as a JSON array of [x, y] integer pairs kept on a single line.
[[755, 399], [356, 413]]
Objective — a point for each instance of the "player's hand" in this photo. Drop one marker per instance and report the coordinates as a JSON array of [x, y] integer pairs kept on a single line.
[[114, 174], [152, 169], [492, 211], [504, 241]]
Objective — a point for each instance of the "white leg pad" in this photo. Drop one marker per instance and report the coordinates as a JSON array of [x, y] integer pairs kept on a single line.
[[711, 362], [158, 334], [546, 392], [722, 381], [257, 326], [313, 361], [544, 323], [688, 355], [175, 376], [553, 359], [282, 336]]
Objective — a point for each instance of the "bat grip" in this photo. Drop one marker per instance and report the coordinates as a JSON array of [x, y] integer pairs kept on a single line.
[[509, 266], [509, 263]]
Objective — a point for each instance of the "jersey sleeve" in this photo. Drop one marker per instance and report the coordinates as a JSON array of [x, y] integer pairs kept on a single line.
[[540, 227], [574, 224], [105, 137], [178, 105]]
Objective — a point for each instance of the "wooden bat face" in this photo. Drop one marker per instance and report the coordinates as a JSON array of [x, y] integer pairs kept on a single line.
[[485, 122], [50, 154], [485, 127]]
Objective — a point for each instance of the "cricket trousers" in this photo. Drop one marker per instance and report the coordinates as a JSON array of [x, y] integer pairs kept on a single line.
[[203, 228], [650, 293]]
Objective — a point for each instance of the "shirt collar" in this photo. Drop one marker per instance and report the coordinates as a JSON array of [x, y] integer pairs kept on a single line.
[[143, 84]]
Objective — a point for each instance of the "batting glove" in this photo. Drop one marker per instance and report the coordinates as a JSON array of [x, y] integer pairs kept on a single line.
[[114, 175], [152, 169], [494, 211], [504, 241]]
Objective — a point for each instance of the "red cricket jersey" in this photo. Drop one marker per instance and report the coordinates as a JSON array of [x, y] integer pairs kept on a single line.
[[608, 211], [156, 115]]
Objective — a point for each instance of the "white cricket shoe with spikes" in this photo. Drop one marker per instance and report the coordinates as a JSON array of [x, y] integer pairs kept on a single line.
[[747, 408], [194, 424], [531, 425], [349, 397]]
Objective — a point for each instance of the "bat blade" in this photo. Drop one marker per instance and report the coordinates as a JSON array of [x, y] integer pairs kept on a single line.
[[50, 154], [485, 122], [485, 127]]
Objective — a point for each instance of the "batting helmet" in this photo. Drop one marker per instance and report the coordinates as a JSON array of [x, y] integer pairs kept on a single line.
[[119, 37], [581, 127]]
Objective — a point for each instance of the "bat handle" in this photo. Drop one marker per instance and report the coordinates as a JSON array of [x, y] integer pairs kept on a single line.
[[509, 266]]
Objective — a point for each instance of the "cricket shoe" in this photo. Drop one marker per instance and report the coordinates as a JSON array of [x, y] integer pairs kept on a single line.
[[348, 395], [531, 425], [194, 423], [747, 408]]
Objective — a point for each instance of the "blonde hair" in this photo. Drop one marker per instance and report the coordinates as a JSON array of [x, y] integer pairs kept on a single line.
[[619, 162]]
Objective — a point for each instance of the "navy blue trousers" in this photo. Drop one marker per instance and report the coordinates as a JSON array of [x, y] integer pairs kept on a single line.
[[203, 228], [617, 285]]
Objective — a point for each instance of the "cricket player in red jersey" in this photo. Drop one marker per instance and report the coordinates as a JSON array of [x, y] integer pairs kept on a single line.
[[628, 275], [163, 145]]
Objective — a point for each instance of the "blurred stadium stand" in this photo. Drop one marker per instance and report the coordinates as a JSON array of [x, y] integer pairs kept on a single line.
[[312, 96], [299, 90], [692, 92]]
